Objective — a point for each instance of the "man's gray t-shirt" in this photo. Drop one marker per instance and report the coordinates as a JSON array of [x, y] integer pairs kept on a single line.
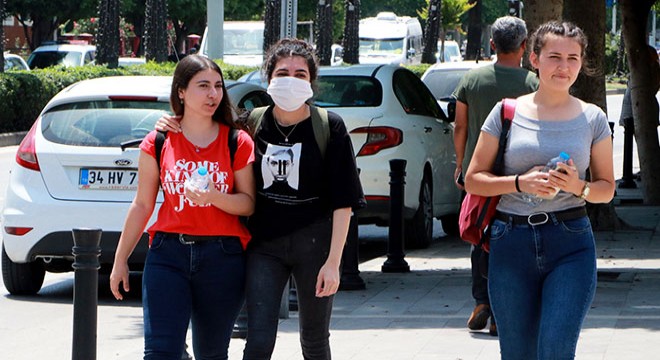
[[533, 142], [481, 88]]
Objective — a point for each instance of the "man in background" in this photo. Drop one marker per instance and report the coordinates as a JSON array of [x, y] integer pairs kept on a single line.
[[476, 95]]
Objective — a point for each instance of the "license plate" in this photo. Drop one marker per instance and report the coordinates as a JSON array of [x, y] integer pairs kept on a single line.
[[108, 179]]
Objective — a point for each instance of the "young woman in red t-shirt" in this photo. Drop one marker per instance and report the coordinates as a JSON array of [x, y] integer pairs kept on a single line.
[[195, 267]]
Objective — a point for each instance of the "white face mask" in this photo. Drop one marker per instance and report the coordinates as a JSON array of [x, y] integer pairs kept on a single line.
[[289, 93]]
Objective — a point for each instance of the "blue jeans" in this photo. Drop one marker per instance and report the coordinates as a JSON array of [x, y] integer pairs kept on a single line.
[[202, 282], [541, 282], [270, 264]]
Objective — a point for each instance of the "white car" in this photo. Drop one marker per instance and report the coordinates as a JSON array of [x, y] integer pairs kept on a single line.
[[14, 62], [57, 53], [452, 51], [71, 172], [391, 114], [442, 79]]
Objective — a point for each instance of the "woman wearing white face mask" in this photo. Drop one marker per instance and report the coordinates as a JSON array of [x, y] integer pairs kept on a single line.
[[303, 206], [299, 229]]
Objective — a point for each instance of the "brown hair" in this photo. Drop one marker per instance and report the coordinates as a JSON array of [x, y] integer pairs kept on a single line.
[[286, 48], [563, 29], [185, 70]]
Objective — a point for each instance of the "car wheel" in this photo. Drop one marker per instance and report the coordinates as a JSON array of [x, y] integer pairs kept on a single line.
[[22, 279], [450, 224], [419, 229]]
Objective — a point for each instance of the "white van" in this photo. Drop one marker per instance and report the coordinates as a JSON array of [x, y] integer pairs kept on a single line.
[[390, 39], [244, 43]]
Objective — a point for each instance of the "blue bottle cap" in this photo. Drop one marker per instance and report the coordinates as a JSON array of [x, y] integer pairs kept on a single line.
[[564, 156], [202, 171]]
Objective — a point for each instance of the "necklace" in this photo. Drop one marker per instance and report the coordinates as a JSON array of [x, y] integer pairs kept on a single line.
[[286, 136]]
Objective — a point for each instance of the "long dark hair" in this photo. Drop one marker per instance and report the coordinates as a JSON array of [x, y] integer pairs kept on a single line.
[[185, 70]]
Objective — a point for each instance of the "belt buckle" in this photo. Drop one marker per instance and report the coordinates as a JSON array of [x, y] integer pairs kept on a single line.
[[183, 240], [541, 222]]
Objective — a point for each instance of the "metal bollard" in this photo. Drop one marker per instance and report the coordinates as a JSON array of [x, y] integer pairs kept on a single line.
[[86, 252], [628, 180], [395, 257], [350, 274]]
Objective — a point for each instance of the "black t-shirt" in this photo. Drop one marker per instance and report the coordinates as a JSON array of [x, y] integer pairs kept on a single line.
[[297, 186]]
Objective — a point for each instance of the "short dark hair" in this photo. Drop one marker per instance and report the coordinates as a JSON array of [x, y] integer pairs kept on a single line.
[[185, 70], [289, 47], [508, 33]]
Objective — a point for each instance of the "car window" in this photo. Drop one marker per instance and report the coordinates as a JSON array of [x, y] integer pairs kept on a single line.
[[13, 64], [44, 59], [442, 83], [348, 91], [89, 56], [101, 123], [414, 96]]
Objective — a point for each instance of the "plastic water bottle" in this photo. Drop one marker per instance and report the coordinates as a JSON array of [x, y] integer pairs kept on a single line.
[[199, 180], [551, 165]]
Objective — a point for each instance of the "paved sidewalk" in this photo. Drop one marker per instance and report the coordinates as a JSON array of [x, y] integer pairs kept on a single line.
[[422, 314]]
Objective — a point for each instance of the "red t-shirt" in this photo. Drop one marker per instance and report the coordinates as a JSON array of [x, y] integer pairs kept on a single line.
[[179, 159]]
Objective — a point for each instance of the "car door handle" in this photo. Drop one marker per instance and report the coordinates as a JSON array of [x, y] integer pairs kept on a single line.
[[428, 129], [446, 131]]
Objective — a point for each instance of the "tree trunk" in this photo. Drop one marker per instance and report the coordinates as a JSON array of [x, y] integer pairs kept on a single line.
[[431, 33], [643, 83], [42, 30], [323, 31], [351, 41], [592, 88], [107, 38], [537, 12], [272, 23], [155, 30], [473, 48]]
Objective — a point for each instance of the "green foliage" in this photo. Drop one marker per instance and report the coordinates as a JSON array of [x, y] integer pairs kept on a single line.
[[24, 93], [418, 69]]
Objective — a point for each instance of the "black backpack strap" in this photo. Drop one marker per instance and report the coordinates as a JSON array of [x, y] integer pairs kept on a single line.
[[160, 140], [232, 141]]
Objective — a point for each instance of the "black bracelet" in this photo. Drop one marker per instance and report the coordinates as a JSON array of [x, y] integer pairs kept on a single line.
[[517, 184]]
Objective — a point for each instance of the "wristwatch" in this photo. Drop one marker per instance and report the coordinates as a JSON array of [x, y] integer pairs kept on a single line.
[[585, 191]]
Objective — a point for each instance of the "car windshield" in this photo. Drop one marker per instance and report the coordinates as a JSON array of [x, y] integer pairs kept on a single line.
[[244, 41], [101, 123], [443, 83], [348, 91], [44, 59], [376, 46]]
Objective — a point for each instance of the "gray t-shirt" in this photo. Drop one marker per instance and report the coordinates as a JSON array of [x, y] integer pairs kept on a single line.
[[533, 142]]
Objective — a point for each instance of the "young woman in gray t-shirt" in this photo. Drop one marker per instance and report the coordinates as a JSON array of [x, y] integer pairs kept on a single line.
[[542, 272]]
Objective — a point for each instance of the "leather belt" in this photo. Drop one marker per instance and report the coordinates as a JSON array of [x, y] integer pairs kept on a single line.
[[541, 218], [194, 239]]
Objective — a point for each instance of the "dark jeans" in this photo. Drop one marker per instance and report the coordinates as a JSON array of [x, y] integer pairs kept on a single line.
[[270, 264], [479, 283], [203, 282]]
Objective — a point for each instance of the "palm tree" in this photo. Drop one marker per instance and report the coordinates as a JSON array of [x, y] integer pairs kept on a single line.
[[644, 85], [2, 36], [539, 12], [323, 31], [351, 42], [432, 28], [473, 48], [155, 30], [107, 37], [272, 23]]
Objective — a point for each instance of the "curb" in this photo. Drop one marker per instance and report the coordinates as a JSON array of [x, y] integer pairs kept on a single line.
[[10, 139]]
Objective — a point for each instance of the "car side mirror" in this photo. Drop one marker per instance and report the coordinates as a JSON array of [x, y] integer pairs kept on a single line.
[[411, 52], [451, 109]]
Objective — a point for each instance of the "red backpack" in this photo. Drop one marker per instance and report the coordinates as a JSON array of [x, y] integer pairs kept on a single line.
[[477, 211]]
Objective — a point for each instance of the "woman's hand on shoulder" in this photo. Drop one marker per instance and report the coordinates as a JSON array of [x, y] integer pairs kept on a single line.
[[168, 123]]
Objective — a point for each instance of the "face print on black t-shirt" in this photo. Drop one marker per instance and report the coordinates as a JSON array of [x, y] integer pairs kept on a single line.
[[280, 167]]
